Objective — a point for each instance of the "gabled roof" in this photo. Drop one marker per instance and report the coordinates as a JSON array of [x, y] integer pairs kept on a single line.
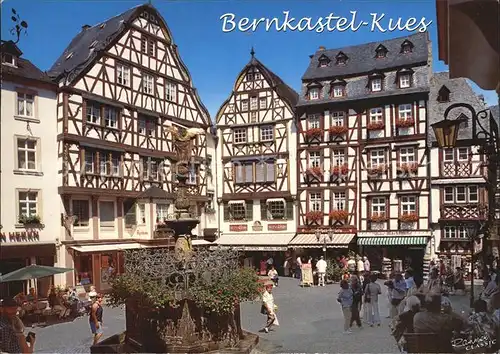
[[362, 57], [11, 48], [155, 193]]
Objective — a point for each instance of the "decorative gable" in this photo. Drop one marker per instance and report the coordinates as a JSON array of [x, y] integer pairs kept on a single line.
[[341, 58], [381, 51], [443, 94], [323, 61]]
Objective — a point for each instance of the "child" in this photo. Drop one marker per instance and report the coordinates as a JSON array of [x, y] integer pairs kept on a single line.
[[345, 299], [273, 275]]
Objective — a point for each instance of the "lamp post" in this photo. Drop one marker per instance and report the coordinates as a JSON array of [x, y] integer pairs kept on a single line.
[[472, 230], [325, 238], [484, 134]]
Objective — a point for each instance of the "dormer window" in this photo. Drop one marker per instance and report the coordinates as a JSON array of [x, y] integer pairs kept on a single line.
[[404, 78], [381, 52], [10, 53], [314, 93], [376, 84], [443, 94], [341, 59], [337, 88], [324, 61], [8, 59], [406, 47]]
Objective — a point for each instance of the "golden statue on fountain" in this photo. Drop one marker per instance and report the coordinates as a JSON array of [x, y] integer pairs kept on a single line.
[[183, 222]]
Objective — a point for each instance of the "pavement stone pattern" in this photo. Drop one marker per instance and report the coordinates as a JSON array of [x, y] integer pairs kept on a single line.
[[310, 322]]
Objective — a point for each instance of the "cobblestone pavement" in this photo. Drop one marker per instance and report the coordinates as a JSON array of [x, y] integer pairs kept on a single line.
[[310, 322]]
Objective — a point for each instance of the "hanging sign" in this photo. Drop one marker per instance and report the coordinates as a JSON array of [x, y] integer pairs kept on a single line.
[[238, 228], [276, 227]]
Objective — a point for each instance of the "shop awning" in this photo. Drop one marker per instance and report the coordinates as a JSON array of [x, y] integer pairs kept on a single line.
[[256, 242], [392, 241], [106, 247], [310, 241]]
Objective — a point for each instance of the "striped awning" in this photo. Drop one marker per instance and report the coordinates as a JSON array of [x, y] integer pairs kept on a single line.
[[311, 241], [392, 241]]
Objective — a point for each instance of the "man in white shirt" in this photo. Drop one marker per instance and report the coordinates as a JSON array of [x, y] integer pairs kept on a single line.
[[366, 264], [321, 267], [268, 306], [299, 268]]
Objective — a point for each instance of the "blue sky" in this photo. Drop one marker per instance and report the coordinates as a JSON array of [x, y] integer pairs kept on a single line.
[[213, 57]]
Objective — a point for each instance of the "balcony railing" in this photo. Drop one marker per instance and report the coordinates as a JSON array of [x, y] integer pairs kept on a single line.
[[456, 169], [464, 212]]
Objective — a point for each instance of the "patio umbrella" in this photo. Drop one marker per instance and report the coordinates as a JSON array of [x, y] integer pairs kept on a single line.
[[33, 271]]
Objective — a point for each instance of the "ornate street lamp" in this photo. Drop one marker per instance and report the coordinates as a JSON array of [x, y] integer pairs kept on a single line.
[[446, 132], [472, 229]]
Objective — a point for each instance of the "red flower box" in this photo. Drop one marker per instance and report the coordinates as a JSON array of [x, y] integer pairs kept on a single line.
[[314, 171], [339, 215], [314, 133], [314, 215], [340, 170], [377, 170], [412, 217], [375, 126], [377, 217], [405, 122], [338, 130], [408, 167]]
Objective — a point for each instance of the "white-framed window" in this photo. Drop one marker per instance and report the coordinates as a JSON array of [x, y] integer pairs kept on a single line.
[[323, 63], [376, 115], [141, 208], [267, 133], [448, 155], [275, 209], [161, 213], [25, 104], [192, 176], [80, 209], [462, 154], [244, 105], [146, 126], [106, 214], [90, 159], [262, 103], [253, 116], [26, 154], [171, 91], [313, 121], [404, 80], [338, 118], [406, 155], [257, 76], [110, 164], [376, 84], [250, 76], [93, 114], [314, 159], [152, 168], [405, 111], [455, 232], [8, 59], [240, 135], [338, 91], [338, 157], [238, 210], [461, 194], [338, 201], [122, 75], [148, 84], [110, 117], [315, 201], [253, 103], [378, 205], [314, 93], [408, 205], [28, 204], [377, 157]]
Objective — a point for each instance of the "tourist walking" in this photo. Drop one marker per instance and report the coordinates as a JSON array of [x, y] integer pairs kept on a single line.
[[95, 319], [360, 267], [345, 299], [357, 297], [372, 291], [267, 307], [273, 275], [321, 266], [398, 293], [299, 268], [366, 264]]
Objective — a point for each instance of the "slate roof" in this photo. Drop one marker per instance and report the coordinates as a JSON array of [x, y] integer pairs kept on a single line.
[[155, 193], [460, 92], [361, 58], [25, 68]]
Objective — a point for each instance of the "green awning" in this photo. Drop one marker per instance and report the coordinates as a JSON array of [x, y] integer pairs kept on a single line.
[[392, 241]]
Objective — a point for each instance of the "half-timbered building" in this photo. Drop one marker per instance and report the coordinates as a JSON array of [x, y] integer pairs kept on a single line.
[[122, 84], [362, 148], [256, 132], [29, 224], [458, 175]]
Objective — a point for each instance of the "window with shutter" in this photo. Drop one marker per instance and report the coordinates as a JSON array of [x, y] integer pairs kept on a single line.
[[227, 215], [289, 210], [129, 208], [249, 211], [260, 170], [249, 173], [239, 174], [270, 172], [263, 210]]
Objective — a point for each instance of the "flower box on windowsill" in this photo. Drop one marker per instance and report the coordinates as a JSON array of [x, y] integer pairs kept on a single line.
[[339, 215], [314, 216], [340, 170], [376, 171], [408, 167], [378, 218], [375, 126], [405, 123], [337, 130], [316, 172], [408, 217], [314, 133], [33, 221]]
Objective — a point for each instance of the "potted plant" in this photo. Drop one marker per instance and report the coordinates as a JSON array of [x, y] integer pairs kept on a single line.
[[411, 217], [314, 216], [375, 126], [405, 122], [339, 215], [340, 170], [313, 133], [338, 130], [314, 172], [30, 220], [408, 167], [378, 217], [377, 170]]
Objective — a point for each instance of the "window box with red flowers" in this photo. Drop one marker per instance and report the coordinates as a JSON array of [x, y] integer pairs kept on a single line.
[[375, 126], [376, 171], [411, 217], [405, 122], [340, 170], [314, 216], [337, 130], [339, 215], [378, 217], [314, 172], [411, 167], [314, 133]]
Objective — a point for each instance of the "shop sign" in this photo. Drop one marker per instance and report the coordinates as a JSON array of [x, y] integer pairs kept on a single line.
[[342, 230], [276, 227], [238, 228], [264, 248], [19, 236], [395, 233], [257, 226]]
